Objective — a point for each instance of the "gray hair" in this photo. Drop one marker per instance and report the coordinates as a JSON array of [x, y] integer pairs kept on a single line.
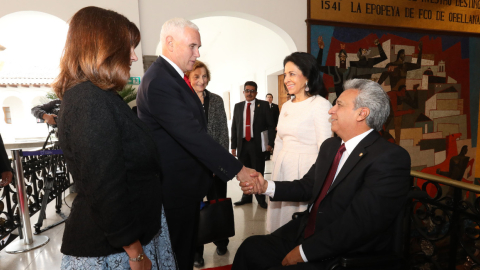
[[174, 27], [372, 96]]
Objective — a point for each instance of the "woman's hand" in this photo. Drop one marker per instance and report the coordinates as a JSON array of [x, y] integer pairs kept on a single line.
[[144, 264], [135, 249]]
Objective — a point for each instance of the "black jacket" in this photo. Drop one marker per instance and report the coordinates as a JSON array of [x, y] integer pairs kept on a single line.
[[275, 111], [188, 155], [113, 160], [357, 214], [5, 164], [49, 107]]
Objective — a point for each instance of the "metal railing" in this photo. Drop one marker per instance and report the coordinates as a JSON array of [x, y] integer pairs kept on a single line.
[[444, 224], [44, 178]]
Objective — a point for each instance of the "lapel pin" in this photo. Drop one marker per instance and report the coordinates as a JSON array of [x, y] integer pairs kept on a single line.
[[258, 106], [361, 154]]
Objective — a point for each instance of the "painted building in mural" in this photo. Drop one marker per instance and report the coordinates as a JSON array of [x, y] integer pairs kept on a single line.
[[427, 78]]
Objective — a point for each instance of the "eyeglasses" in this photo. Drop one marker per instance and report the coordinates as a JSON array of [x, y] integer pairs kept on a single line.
[[249, 91]]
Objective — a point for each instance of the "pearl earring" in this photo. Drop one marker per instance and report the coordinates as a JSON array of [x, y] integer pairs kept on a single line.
[[306, 87]]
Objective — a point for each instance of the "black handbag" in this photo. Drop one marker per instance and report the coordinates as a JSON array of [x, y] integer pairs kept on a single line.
[[216, 221]]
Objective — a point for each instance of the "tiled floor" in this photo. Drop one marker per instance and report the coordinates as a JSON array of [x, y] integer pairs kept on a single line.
[[249, 220]]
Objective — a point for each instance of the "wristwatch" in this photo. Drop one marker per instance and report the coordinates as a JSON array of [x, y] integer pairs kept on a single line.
[[139, 258]]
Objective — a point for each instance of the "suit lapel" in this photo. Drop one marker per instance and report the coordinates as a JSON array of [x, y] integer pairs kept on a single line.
[[256, 112], [326, 162], [357, 154], [191, 98], [241, 108]]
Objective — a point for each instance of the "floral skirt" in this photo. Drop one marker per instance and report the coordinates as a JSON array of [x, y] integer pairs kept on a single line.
[[159, 251]]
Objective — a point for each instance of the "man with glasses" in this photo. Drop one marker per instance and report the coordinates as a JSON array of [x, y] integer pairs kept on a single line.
[[250, 119]]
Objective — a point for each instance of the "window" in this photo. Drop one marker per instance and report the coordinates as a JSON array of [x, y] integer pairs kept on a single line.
[[8, 116]]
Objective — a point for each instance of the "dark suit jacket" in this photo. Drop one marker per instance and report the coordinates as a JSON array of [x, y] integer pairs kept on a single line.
[[188, 155], [358, 212], [113, 160], [4, 162], [262, 120], [275, 111]]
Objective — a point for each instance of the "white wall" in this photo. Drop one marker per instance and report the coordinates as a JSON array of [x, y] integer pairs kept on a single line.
[[24, 124], [282, 15], [64, 9]]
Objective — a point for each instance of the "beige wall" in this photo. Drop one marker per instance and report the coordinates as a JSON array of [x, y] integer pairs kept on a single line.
[[279, 15]]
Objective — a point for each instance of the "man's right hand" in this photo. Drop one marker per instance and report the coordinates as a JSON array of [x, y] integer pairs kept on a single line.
[[260, 186], [247, 175], [49, 118], [234, 152]]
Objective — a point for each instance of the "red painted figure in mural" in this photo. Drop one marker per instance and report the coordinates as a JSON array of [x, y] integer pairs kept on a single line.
[[445, 168], [397, 99]]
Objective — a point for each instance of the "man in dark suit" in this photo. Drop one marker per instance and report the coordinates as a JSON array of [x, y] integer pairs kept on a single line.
[[167, 103], [250, 118], [275, 114], [356, 189], [5, 166]]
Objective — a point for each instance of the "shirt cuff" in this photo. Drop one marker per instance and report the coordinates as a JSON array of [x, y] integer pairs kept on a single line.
[[302, 254], [270, 189]]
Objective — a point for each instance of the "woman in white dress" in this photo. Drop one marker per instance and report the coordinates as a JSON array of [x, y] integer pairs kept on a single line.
[[302, 127]]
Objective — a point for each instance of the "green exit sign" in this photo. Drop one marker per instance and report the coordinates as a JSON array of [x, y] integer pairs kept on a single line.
[[134, 80]]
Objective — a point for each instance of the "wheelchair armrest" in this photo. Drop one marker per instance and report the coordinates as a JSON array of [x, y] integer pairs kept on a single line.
[[370, 260]]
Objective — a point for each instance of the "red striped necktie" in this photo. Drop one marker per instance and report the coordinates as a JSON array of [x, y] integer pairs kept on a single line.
[[248, 134]]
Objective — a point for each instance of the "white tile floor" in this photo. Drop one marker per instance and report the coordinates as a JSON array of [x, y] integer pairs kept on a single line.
[[249, 220]]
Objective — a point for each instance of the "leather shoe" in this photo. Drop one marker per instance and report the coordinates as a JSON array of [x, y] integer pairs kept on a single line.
[[198, 261], [241, 202], [221, 250], [263, 204]]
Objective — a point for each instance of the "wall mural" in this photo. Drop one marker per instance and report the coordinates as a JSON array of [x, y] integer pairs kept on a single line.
[[431, 82]]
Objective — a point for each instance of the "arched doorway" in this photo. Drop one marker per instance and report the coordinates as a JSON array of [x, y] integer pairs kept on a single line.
[[238, 47]]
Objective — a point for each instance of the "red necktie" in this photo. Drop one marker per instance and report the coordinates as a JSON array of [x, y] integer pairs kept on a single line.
[[185, 78], [248, 135], [312, 217]]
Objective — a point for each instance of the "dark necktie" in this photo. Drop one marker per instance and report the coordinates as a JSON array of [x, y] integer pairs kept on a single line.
[[185, 78], [248, 134], [312, 216]]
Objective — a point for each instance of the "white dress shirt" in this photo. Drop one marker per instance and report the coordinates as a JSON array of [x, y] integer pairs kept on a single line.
[[180, 72], [349, 147], [252, 111]]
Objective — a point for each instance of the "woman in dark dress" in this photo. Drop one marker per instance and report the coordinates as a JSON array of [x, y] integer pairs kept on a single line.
[[117, 221], [218, 129]]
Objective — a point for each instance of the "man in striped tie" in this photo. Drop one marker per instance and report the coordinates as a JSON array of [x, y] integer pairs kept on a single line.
[[356, 189]]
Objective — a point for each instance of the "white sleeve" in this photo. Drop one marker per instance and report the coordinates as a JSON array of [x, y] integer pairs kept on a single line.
[[270, 192], [303, 254]]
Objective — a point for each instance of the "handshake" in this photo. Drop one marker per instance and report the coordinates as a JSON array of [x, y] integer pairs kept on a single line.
[[251, 181]]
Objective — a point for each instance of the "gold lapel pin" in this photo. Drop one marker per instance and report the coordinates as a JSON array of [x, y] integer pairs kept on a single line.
[[258, 105], [361, 154]]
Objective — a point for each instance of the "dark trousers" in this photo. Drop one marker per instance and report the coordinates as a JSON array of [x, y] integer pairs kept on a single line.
[[254, 158], [218, 190], [183, 225], [261, 252]]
